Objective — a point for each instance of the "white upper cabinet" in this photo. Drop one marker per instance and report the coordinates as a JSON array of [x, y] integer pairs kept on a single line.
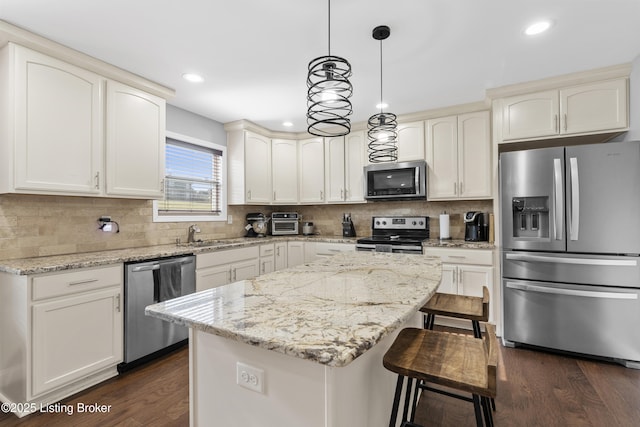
[[582, 109], [410, 141], [54, 143], [284, 170], [311, 170], [344, 160], [135, 142], [249, 159], [459, 157], [65, 136]]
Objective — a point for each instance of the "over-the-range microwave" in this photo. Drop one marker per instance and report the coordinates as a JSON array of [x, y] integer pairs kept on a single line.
[[396, 181]]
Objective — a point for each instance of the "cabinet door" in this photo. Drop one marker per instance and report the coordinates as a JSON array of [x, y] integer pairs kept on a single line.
[[334, 163], [531, 115], [311, 167], [355, 156], [448, 283], [594, 107], [74, 337], [472, 278], [411, 141], [212, 277], [135, 142], [295, 253], [257, 168], [284, 161], [243, 270], [267, 264], [281, 256], [474, 155], [58, 125], [442, 158]]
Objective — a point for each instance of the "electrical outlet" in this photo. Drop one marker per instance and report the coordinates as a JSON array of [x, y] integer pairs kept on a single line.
[[250, 377], [229, 219]]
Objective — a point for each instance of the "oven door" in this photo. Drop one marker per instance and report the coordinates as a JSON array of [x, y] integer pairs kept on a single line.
[[285, 227], [385, 247]]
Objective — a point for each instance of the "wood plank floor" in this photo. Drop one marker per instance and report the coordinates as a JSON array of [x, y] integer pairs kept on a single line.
[[534, 389]]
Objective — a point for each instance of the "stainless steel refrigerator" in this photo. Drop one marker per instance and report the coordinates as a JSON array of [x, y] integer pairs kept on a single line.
[[570, 249]]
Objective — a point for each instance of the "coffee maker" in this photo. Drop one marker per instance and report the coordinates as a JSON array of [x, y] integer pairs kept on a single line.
[[476, 226]]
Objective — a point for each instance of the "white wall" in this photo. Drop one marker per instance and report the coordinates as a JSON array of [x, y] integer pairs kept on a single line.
[[190, 124]]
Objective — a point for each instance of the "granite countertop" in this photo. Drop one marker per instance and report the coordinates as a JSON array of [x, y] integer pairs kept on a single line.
[[329, 311], [48, 264]]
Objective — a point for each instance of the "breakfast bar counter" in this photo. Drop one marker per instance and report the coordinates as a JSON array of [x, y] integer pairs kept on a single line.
[[301, 346]]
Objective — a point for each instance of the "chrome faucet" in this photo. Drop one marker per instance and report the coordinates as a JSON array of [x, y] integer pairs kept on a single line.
[[193, 229]]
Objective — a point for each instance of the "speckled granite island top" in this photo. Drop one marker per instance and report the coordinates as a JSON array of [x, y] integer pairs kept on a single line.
[[330, 311]]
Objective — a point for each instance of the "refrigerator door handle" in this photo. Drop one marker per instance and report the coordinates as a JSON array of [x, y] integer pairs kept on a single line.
[[559, 198], [575, 199], [569, 260], [571, 292]]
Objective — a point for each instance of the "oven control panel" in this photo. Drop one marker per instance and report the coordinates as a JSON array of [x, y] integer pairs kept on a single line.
[[400, 223]]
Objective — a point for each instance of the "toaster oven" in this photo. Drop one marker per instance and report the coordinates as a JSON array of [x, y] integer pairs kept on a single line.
[[284, 223]]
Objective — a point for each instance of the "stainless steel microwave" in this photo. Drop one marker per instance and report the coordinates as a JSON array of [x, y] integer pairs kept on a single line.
[[396, 181]]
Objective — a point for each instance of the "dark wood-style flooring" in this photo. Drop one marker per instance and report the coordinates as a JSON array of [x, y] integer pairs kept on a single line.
[[534, 389]]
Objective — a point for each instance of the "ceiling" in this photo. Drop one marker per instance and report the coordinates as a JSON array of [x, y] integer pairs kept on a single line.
[[254, 54]]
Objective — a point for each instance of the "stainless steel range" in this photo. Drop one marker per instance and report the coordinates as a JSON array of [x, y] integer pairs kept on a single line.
[[397, 234]]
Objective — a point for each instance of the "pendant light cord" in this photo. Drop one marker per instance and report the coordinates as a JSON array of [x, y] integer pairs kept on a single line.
[[380, 76], [329, 28]]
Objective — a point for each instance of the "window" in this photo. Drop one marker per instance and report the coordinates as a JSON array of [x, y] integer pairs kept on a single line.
[[194, 183]]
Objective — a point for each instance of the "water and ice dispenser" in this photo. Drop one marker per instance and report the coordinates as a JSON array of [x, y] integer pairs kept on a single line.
[[530, 217]]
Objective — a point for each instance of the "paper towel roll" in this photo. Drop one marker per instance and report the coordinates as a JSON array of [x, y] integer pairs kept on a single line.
[[444, 227]]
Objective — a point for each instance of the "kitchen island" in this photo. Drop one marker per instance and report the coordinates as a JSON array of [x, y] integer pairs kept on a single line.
[[301, 346]]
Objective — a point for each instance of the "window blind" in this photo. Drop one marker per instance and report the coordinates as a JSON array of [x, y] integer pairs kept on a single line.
[[193, 180]]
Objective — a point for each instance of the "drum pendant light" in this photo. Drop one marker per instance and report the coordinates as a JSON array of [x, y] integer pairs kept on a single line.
[[328, 93], [382, 127]]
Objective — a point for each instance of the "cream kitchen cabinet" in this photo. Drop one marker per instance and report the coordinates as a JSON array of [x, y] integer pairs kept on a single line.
[[465, 272], [135, 147], [459, 157], [70, 131], [281, 255], [582, 109], [219, 268], [267, 258], [295, 253], [311, 170], [411, 141], [344, 160], [64, 336], [317, 250], [249, 163], [284, 171]]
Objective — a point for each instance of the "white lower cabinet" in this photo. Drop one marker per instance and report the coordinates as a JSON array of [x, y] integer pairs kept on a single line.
[[296, 253], [66, 336], [281, 255], [465, 272], [219, 268], [267, 258], [317, 250]]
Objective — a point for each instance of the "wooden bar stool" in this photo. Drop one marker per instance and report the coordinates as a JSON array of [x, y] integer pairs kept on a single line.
[[475, 309], [459, 362]]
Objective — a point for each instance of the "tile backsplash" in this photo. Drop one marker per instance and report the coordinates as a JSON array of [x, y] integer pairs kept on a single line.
[[33, 225]]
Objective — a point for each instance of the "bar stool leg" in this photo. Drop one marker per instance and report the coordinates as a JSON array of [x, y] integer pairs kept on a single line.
[[477, 409], [396, 402], [407, 399], [488, 416]]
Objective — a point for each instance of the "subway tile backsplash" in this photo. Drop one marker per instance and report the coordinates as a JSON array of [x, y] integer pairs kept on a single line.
[[33, 225]]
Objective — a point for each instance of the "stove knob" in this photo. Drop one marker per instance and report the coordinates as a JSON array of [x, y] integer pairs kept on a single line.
[[384, 222], [377, 222], [421, 223], [413, 223]]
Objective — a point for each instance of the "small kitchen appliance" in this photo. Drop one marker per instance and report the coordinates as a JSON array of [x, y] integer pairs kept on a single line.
[[348, 230], [476, 226], [396, 181], [396, 234], [256, 225], [308, 229], [285, 223]]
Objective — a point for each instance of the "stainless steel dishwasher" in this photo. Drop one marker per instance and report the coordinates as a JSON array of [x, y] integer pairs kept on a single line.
[[147, 283]]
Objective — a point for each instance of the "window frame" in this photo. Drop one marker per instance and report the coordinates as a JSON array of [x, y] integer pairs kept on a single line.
[[223, 193]]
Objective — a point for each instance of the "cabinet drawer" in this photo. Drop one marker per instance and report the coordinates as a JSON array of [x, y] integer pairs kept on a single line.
[[267, 250], [226, 256], [462, 256], [58, 284], [326, 249]]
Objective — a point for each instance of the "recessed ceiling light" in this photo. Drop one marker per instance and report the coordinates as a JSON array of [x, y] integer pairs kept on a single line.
[[382, 105], [537, 28], [193, 78], [287, 124]]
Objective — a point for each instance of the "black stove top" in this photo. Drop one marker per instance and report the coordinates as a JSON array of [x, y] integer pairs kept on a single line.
[[397, 231]]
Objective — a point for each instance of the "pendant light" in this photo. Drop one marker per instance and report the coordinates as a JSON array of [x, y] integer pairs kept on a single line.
[[383, 127], [328, 93]]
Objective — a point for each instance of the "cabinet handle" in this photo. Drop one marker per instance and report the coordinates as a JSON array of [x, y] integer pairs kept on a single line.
[[461, 188], [97, 178], [555, 118], [321, 195], [263, 267], [118, 303], [274, 196], [342, 194], [455, 188], [249, 195], [565, 122], [234, 274], [346, 194], [162, 186], [82, 282], [278, 251]]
